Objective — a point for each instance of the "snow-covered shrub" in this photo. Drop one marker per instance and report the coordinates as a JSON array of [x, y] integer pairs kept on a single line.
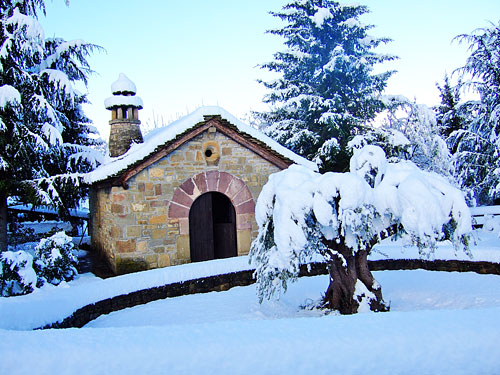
[[304, 216], [17, 275], [54, 259]]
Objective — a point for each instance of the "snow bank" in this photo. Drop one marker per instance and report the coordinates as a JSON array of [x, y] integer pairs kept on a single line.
[[48, 305], [440, 342], [231, 334]]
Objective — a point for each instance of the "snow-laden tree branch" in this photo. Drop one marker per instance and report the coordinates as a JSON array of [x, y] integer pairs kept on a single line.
[[305, 216], [44, 134], [476, 143]]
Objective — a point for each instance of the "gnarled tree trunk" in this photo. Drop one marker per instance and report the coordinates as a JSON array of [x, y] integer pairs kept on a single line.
[[351, 281]]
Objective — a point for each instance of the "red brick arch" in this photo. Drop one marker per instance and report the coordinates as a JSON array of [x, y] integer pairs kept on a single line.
[[213, 181]]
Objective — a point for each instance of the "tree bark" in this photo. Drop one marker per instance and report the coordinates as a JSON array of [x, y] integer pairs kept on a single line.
[[346, 270], [3, 221]]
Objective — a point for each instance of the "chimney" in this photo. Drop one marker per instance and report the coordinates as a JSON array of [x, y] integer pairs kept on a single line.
[[125, 124]]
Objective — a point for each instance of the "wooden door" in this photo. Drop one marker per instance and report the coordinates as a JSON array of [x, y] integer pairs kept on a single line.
[[201, 232], [224, 219], [212, 227]]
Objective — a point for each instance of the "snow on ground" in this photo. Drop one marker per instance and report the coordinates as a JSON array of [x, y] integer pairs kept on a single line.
[[440, 322], [485, 247], [50, 304], [406, 290]]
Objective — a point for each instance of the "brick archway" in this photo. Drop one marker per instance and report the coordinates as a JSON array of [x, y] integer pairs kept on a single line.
[[214, 181]]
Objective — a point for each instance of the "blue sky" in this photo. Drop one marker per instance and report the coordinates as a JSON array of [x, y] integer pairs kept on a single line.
[[183, 54]]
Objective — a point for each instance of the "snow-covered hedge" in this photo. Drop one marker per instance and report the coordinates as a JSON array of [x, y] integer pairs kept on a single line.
[[53, 261]]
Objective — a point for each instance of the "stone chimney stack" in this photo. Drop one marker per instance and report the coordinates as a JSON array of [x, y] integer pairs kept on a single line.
[[125, 124]]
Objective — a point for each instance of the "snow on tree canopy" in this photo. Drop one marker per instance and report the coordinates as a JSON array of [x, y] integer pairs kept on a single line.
[[327, 87], [123, 85], [47, 139], [9, 95], [320, 16], [297, 206]]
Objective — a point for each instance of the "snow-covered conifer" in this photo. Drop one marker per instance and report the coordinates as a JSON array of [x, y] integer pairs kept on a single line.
[[326, 89], [448, 113], [305, 216], [45, 138], [477, 146]]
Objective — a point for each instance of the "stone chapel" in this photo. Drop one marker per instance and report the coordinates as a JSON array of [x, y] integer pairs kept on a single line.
[[183, 193]]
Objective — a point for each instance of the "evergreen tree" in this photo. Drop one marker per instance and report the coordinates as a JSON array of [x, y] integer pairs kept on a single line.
[[448, 114], [327, 90], [477, 147], [45, 138]]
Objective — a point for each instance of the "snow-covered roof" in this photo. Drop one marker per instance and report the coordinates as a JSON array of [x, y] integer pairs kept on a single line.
[[123, 85], [153, 141]]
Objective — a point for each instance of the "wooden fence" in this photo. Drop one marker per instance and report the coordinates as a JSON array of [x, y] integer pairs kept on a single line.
[[480, 215]]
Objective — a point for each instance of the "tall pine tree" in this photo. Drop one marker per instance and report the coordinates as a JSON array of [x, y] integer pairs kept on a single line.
[[46, 141], [477, 146], [327, 90]]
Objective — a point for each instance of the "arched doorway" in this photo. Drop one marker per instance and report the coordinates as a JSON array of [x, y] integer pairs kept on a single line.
[[212, 227]]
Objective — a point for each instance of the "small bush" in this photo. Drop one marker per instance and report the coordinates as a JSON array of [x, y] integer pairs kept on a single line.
[[17, 275], [54, 259], [53, 262]]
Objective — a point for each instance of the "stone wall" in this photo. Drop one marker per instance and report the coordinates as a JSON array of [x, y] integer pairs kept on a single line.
[[146, 226]]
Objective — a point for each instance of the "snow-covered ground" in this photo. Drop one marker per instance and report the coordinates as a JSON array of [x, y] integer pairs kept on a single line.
[[439, 323]]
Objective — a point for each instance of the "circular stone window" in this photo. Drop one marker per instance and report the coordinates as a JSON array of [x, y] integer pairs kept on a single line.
[[211, 152]]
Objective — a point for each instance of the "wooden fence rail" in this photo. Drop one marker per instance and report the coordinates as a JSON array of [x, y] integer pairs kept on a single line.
[[481, 214]]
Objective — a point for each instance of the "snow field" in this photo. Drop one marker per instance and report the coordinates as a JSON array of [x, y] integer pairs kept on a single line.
[[50, 304], [440, 323], [406, 290]]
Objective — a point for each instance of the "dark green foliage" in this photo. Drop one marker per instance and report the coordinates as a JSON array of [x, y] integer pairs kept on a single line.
[[326, 91], [449, 116]]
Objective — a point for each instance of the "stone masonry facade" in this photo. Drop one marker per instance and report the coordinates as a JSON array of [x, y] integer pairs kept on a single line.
[[147, 225]]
